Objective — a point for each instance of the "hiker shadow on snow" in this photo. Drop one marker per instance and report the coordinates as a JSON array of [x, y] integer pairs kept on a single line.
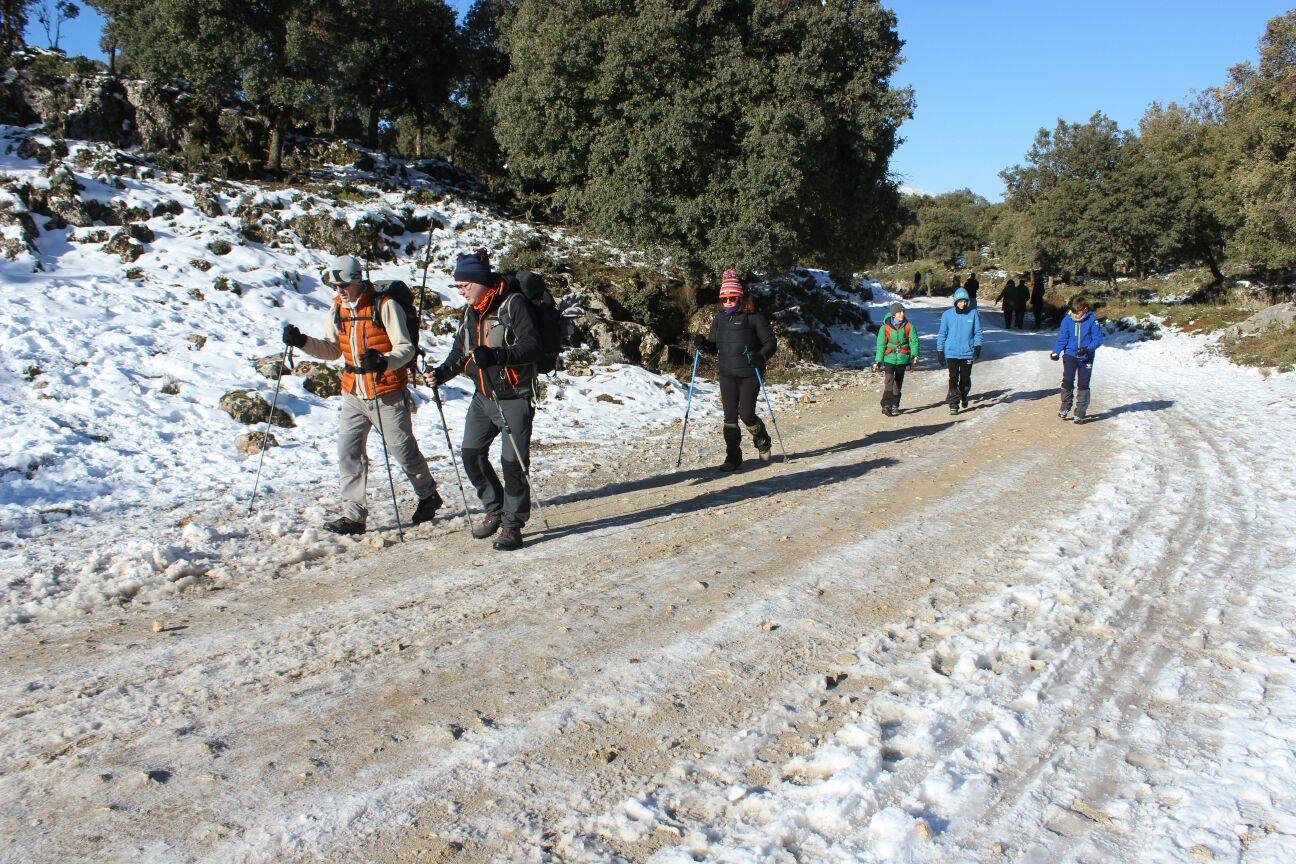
[[1132, 408], [728, 496], [881, 436]]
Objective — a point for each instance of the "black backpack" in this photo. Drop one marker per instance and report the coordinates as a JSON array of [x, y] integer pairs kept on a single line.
[[399, 293], [548, 319]]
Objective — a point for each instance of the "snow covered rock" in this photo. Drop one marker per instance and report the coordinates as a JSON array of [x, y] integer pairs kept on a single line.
[[249, 408], [252, 443]]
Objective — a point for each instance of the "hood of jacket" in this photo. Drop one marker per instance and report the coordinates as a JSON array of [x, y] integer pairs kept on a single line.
[[962, 294]]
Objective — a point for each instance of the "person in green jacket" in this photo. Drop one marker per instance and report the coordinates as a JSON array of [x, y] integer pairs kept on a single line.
[[897, 350]]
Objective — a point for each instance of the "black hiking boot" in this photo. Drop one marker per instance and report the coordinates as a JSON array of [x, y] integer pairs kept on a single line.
[[343, 525], [954, 408], [508, 540], [489, 524], [426, 509], [964, 401], [730, 464]]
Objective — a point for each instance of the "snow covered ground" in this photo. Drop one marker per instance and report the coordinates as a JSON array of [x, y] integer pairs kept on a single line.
[[119, 476]]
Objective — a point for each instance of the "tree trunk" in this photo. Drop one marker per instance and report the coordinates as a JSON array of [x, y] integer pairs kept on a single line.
[[278, 127], [371, 134], [1217, 276], [112, 59], [333, 112]]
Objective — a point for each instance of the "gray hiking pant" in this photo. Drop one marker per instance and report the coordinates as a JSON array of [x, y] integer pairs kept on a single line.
[[512, 499], [357, 418]]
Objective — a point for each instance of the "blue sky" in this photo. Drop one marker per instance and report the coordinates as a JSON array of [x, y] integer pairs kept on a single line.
[[988, 75]]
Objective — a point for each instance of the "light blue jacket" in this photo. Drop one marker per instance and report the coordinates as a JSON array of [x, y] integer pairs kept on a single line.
[[960, 332]]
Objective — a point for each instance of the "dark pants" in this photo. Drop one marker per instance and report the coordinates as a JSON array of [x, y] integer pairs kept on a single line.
[[960, 381], [1015, 316], [1075, 372], [1037, 311], [483, 424], [738, 398], [893, 384]]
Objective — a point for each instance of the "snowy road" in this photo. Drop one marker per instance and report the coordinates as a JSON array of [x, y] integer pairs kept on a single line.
[[983, 638]]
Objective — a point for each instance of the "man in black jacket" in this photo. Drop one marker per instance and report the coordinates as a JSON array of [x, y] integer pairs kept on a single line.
[[497, 345]]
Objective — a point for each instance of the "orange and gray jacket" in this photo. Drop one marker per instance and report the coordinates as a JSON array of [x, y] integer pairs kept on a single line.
[[507, 326], [351, 331]]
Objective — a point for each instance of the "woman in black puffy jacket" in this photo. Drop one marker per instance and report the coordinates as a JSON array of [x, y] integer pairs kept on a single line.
[[742, 342]]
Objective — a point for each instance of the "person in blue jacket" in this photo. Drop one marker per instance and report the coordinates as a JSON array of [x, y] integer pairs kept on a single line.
[[958, 346], [1079, 337]]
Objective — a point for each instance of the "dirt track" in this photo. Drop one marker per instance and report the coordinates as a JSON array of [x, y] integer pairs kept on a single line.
[[439, 701]]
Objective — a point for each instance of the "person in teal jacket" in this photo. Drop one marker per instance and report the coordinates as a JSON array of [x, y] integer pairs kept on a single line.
[[958, 346], [1078, 340], [897, 350]]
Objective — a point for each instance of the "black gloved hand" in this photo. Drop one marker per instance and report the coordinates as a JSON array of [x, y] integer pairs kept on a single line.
[[976, 353], [878, 366], [1053, 357], [293, 338], [699, 342], [940, 357], [485, 356], [373, 361]]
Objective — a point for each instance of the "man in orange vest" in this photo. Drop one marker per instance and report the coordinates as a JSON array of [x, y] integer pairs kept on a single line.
[[376, 349]]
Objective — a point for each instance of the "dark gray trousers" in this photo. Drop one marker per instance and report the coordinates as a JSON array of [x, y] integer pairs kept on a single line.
[[512, 499]]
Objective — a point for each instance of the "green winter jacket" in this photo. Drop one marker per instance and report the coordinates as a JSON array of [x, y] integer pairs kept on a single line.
[[892, 347]]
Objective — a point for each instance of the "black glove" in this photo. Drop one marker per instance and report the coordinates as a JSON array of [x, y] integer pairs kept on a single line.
[[940, 357], [976, 353], [1053, 357], [293, 338], [438, 376], [1082, 355], [485, 356], [699, 342], [879, 366], [373, 361]]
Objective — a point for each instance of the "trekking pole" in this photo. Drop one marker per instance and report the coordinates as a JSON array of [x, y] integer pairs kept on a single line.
[[285, 366], [526, 473], [688, 406], [463, 496], [760, 379], [377, 408]]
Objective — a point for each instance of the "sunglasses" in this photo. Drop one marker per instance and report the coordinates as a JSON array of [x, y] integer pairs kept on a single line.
[[728, 300]]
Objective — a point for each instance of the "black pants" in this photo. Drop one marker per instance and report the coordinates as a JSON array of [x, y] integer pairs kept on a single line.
[[893, 384], [1015, 316], [960, 381], [512, 499], [738, 398], [1038, 311]]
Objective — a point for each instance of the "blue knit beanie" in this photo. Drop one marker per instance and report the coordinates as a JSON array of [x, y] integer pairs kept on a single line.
[[473, 267]]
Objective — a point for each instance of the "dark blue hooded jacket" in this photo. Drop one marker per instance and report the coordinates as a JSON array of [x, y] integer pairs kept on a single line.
[[1078, 339]]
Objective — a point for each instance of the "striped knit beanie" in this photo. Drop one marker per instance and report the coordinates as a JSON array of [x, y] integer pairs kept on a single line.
[[729, 284]]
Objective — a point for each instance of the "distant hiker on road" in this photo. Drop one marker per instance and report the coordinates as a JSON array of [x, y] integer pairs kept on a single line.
[[1015, 303], [958, 346], [972, 286], [497, 345], [1037, 298], [376, 348], [897, 350], [1003, 298], [742, 341], [1079, 337]]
